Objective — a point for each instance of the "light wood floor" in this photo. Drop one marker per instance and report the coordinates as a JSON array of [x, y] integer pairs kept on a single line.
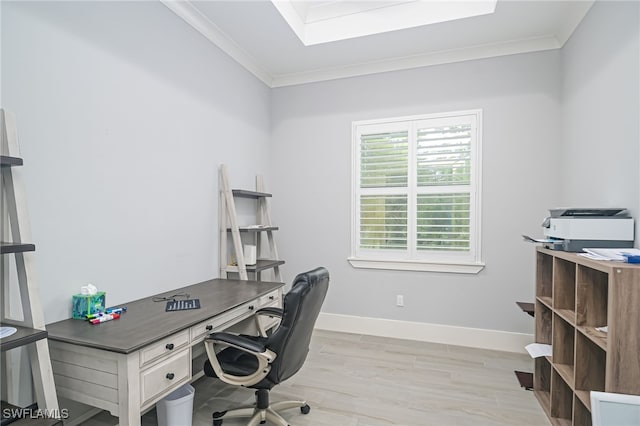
[[356, 380]]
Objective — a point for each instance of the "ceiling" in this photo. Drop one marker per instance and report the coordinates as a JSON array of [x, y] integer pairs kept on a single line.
[[321, 21], [257, 35]]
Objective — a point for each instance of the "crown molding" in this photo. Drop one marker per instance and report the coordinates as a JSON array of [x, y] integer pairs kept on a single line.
[[409, 62], [191, 15]]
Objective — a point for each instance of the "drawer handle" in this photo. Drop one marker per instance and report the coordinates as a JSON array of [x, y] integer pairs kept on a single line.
[[209, 327], [170, 376], [271, 297], [251, 307], [169, 346]]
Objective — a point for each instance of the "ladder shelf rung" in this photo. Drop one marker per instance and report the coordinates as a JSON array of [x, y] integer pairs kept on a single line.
[[6, 247], [255, 228], [6, 160], [261, 265], [243, 193], [23, 336]]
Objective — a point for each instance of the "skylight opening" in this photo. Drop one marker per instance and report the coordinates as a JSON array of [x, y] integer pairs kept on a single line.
[[316, 22]]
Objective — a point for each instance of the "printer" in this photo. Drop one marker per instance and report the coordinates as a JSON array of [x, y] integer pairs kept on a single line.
[[573, 229]]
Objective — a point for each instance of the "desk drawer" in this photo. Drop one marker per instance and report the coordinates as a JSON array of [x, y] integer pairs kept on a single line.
[[169, 373], [271, 299], [199, 331], [164, 347]]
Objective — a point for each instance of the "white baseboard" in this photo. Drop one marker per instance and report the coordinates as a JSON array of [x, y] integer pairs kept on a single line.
[[436, 333]]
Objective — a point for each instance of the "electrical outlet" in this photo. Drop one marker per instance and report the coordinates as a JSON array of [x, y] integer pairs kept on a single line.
[[399, 300]]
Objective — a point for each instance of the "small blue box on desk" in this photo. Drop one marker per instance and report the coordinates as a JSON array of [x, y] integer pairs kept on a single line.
[[85, 304]]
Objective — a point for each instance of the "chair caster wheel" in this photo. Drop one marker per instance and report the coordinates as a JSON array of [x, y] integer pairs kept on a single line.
[[217, 421], [305, 409]]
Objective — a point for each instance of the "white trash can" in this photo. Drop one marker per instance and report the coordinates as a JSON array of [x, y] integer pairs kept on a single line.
[[176, 409]]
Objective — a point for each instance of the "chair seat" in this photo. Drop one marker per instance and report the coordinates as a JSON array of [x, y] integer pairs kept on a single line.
[[237, 362]]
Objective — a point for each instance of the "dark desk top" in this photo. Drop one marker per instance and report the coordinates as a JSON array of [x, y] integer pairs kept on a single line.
[[146, 321]]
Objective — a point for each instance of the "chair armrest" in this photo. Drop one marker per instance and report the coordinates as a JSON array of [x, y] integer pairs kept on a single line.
[[269, 311], [237, 342], [264, 356]]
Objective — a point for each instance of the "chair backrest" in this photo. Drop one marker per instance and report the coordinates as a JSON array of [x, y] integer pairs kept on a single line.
[[292, 337]]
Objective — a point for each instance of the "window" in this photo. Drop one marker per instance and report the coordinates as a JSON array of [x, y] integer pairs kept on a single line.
[[416, 193]]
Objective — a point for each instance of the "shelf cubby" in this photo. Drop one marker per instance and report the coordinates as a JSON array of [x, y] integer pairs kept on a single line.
[[563, 348], [564, 288], [590, 368], [561, 400], [544, 277], [543, 323], [591, 304], [542, 383], [574, 296], [581, 413]]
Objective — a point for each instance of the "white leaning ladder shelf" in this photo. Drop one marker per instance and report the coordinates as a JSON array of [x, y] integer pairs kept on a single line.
[[31, 332], [266, 259]]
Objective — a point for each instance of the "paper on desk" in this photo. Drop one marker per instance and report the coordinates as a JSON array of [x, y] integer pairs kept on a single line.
[[539, 240], [614, 254], [537, 350]]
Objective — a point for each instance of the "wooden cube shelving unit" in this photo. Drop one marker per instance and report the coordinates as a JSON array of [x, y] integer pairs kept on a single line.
[[574, 295]]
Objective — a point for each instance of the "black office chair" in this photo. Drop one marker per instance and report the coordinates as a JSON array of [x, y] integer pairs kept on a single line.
[[261, 362]]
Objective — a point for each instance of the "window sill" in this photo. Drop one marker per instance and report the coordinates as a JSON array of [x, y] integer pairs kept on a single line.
[[414, 265]]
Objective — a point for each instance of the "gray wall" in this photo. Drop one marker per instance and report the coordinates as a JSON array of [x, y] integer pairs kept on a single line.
[[560, 129], [311, 159], [601, 109], [124, 114]]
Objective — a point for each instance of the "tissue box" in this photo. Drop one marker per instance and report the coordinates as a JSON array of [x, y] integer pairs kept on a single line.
[[85, 304]]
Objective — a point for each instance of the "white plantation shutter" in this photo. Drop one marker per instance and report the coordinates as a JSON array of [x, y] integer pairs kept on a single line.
[[443, 164], [383, 160], [384, 175], [443, 155], [443, 222], [415, 188], [383, 222]]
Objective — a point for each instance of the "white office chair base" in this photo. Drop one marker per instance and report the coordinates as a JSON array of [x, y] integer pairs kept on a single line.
[[268, 414]]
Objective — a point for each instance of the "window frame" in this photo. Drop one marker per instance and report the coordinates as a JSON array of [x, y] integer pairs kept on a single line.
[[413, 259]]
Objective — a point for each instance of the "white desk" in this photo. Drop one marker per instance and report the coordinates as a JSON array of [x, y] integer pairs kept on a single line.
[[125, 366]]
